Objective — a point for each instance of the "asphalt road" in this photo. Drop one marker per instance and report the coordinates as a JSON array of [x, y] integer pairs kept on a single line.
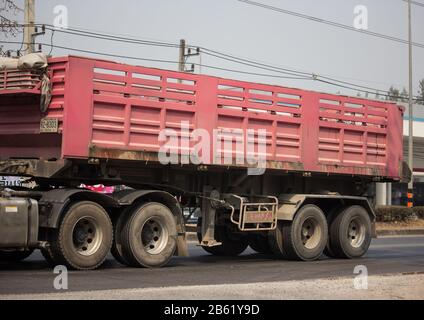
[[400, 255]]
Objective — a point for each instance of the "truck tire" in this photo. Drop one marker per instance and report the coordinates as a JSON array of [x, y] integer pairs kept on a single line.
[[259, 243], [275, 242], [116, 249], [328, 251], [305, 238], [350, 233], [84, 237], [231, 246], [14, 256], [149, 236]]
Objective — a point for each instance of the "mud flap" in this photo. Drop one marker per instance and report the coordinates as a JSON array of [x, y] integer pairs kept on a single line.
[[182, 247]]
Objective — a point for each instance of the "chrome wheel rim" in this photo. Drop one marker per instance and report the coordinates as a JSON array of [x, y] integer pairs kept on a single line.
[[311, 233], [87, 236], [356, 233], [154, 235]]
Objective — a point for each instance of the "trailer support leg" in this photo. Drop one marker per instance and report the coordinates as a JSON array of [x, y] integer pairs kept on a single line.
[[208, 220]]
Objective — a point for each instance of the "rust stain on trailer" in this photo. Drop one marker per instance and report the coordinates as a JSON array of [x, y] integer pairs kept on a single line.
[[145, 156], [354, 170], [106, 153]]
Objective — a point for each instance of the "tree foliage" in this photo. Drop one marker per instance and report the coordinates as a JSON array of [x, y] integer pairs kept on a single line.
[[421, 92], [393, 94], [8, 25]]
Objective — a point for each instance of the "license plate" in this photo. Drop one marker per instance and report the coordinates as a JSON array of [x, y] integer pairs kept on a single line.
[[259, 217], [49, 125]]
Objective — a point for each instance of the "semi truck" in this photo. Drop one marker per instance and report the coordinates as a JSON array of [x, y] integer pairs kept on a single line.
[[288, 172]]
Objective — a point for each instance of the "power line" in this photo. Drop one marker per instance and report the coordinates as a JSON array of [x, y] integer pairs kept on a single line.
[[415, 3], [51, 43], [206, 66], [103, 36], [294, 74], [328, 22], [316, 77], [171, 45], [220, 55], [160, 60], [213, 53]]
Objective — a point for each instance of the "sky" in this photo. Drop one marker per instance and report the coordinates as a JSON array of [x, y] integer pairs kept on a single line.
[[258, 34]]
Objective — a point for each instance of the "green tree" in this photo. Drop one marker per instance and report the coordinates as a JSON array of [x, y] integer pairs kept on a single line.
[[9, 27], [421, 92], [393, 94], [404, 96]]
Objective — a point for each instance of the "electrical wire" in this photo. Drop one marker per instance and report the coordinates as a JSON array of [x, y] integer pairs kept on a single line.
[[230, 58], [203, 65], [224, 56], [161, 61], [294, 74], [51, 43], [415, 3], [220, 55], [328, 22]]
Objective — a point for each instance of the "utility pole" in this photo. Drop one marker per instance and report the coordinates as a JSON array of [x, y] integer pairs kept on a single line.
[[184, 55], [411, 114], [29, 29], [181, 60]]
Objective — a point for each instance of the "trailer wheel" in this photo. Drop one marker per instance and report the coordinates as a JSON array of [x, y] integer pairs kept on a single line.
[[328, 251], [14, 256], [149, 236], [350, 233], [259, 243], [275, 242], [306, 236], [232, 245], [116, 249], [84, 237]]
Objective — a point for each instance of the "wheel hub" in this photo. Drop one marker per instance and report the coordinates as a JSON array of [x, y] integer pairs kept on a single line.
[[311, 233], [154, 236], [87, 236], [80, 236], [356, 233]]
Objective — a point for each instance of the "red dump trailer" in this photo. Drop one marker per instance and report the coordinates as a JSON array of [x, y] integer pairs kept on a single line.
[[286, 171]]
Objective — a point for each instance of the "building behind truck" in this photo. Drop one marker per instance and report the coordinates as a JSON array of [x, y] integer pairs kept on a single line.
[[183, 143]]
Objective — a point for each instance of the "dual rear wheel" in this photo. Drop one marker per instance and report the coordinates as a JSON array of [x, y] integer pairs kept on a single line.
[[311, 233], [350, 234], [305, 238], [145, 236], [345, 234]]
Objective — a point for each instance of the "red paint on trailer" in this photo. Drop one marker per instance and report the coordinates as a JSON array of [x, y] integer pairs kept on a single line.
[[119, 107]]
